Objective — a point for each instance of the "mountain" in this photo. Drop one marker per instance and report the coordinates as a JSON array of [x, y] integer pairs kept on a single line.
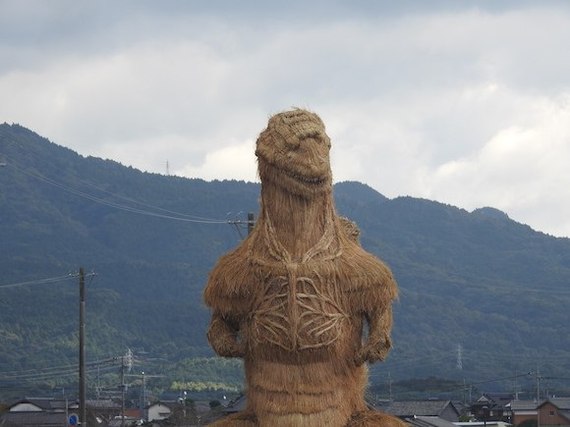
[[482, 297]]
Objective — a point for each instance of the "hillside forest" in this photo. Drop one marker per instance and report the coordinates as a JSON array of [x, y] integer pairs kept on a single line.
[[482, 306]]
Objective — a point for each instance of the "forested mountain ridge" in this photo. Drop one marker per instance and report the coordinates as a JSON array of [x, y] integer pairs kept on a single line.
[[481, 296]]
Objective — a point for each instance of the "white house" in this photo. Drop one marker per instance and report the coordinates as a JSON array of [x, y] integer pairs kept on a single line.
[[158, 411]]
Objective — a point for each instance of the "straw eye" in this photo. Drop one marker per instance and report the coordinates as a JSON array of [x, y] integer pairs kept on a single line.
[[316, 135], [292, 143]]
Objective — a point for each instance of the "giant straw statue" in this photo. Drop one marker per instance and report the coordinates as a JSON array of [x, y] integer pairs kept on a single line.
[[294, 299]]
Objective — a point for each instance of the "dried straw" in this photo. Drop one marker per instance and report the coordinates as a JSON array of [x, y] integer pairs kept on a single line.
[[293, 298]]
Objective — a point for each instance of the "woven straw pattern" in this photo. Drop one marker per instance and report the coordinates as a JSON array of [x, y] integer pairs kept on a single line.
[[293, 298]]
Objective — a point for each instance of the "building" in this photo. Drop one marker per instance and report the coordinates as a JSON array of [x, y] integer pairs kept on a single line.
[[158, 411], [493, 407], [48, 412], [444, 409], [523, 411], [554, 412], [36, 412]]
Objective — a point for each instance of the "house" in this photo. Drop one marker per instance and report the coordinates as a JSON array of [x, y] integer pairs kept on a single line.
[[42, 404], [44, 412], [158, 411], [523, 410], [554, 412], [127, 420], [47, 412], [444, 409], [102, 410], [493, 407], [237, 405]]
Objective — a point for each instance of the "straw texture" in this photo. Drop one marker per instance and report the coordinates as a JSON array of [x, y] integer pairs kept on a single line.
[[293, 299]]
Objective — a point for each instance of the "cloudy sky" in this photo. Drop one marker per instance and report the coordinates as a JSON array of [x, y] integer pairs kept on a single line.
[[463, 102]]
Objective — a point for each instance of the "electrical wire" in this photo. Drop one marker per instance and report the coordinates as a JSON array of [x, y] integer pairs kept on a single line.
[[175, 215], [128, 199], [54, 368], [493, 287], [31, 375], [46, 281]]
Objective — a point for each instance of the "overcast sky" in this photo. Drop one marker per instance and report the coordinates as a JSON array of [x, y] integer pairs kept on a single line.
[[463, 102]]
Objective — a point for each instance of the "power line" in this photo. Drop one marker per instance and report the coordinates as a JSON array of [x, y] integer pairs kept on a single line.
[[72, 370], [175, 215], [46, 281], [138, 202], [38, 175], [96, 363], [494, 287], [27, 378]]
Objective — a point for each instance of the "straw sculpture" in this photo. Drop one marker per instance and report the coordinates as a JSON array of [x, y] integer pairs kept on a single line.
[[295, 298]]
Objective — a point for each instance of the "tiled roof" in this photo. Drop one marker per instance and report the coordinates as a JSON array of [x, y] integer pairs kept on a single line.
[[31, 419], [497, 397], [415, 408], [523, 405], [560, 402], [429, 422], [237, 405], [102, 403], [47, 403]]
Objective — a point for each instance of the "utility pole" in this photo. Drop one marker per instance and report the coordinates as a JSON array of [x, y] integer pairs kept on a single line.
[[516, 390], [537, 395], [128, 357], [250, 222], [122, 391], [459, 357], [82, 382], [537, 385], [143, 397]]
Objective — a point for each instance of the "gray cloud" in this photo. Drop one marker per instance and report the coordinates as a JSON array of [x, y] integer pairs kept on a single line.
[[462, 102]]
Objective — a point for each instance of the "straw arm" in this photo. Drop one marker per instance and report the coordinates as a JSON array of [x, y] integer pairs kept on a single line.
[[223, 336], [378, 343]]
